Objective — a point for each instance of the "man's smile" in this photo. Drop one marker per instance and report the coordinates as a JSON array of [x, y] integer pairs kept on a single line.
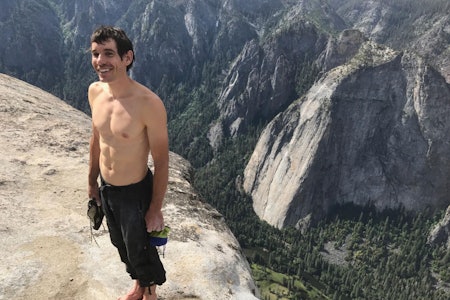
[[104, 70]]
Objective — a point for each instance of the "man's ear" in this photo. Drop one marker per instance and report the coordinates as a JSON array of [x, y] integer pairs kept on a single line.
[[128, 57]]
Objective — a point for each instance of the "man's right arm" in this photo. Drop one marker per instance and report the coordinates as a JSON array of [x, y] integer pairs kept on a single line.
[[94, 167], [94, 154]]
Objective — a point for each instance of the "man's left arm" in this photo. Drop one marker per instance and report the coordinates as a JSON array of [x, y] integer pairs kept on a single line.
[[156, 123]]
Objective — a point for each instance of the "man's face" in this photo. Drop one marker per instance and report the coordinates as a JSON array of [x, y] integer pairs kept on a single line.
[[107, 62]]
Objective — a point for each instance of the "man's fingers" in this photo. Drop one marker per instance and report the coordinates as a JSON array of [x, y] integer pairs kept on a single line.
[[155, 228]]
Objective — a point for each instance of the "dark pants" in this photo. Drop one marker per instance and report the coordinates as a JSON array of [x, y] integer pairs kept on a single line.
[[125, 208]]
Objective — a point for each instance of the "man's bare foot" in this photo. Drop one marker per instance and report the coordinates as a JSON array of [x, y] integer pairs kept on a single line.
[[148, 296], [136, 292]]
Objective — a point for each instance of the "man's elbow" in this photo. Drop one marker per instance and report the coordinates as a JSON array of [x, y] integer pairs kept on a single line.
[[161, 161]]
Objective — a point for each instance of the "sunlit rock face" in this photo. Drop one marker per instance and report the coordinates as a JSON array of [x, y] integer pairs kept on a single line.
[[373, 131], [47, 251]]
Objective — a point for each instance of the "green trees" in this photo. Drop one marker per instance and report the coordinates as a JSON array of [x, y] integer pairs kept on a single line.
[[386, 255], [388, 258]]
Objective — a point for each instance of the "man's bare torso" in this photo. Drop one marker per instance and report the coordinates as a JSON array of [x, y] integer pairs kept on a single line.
[[123, 140]]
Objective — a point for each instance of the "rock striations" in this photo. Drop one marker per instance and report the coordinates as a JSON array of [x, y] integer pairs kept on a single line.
[[46, 250], [372, 131]]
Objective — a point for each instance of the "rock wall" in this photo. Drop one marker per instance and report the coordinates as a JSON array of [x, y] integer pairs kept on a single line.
[[373, 131], [47, 251]]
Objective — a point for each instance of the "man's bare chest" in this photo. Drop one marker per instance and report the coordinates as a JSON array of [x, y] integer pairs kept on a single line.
[[113, 119]]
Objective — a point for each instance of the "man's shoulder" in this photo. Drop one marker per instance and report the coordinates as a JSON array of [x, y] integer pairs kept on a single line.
[[94, 89], [148, 96], [95, 86], [151, 104], [143, 90]]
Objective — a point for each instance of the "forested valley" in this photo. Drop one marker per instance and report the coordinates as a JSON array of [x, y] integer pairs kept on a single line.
[[355, 253]]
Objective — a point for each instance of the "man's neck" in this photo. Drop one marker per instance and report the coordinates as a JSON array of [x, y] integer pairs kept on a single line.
[[119, 88]]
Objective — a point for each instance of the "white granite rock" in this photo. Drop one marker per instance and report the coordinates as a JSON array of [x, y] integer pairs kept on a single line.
[[46, 251]]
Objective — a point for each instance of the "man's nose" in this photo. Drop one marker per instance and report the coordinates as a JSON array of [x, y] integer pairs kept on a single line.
[[100, 58]]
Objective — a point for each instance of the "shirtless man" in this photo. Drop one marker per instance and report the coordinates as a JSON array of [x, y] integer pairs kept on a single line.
[[128, 122]]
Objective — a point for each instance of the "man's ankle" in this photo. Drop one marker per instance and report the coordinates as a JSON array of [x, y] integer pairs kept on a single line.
[[150, 293]]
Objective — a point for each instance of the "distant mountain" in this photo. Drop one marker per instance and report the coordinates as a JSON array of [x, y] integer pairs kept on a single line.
[[174, 39], [372, 132]]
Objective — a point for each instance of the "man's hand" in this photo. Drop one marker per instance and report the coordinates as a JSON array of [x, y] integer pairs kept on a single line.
[[154, 220]]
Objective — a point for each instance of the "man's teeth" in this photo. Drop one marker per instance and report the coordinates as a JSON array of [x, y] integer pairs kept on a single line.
[[103, 70]]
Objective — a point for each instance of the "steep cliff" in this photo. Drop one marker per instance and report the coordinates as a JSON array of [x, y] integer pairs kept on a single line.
[[262, 80], [46, 250], [372, 131], [272, 68]]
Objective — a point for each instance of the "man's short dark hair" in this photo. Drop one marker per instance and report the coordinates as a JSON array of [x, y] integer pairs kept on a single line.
[[104, 33]]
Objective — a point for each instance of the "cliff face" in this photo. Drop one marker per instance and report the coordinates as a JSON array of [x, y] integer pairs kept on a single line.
[[45, 231], [262, 80], [372, 131]]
